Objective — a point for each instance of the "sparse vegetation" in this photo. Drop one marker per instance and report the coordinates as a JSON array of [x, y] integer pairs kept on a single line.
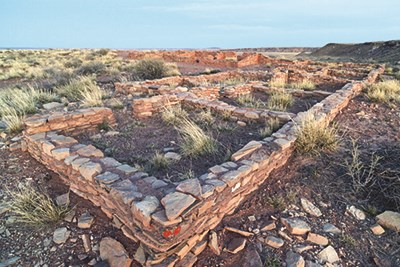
[[84, 89], [104, 126], [277, 83], [158, 162], [195, 141], [189, 174], [249, 101], [315, 136], [205, 117], [34, 207], [303, 85], [362, 176], [150, 69], [348, 240], [270, 126], [173, 114], [280, 101], [385, 92]]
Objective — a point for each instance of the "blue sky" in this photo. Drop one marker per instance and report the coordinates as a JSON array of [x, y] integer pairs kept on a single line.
[[195, 24]]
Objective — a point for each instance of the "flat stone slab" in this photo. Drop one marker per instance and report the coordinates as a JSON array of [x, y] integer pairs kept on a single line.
[[175, 203], [90, 151], [114, 253], [328, 254], [191, 186], [89, 169], [236, 245], [52, 105], [389, 219], [246, 150], [61, 235], [296, 226], [310, 208], [107, 178], [85, 220]]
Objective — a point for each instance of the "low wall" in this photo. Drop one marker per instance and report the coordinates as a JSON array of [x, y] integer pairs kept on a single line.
[[147, 107], [70, 122]]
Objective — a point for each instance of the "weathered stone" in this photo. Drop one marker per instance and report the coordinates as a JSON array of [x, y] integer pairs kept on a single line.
[[240, 232], [172, 156], [60, 153], [188, 260], [140, 256], [231, 177], [175, 203], [285, 236], [76, 163], [294, 260], [312, 264], [274, 242], [296, 226], [191, 186], [90, 151], [268, 226], [70, 216], [310, 208], [229, 165], [158, 184], [301, 248], [89, 169], [252, 218], [107, 178], [389, 219], [251, 258], [328, 254], [218, 184], [114, 253], [110, 162], [377, 229], [357, 213], [126, 191], [47, 147], [126, 169], [10, 261], [213, 243], [217, 169], [236, 245], [86, 243], [317, 239], [68, 160], [85, 220], [330, 228], [61, 235], [64, 141], [207, 190], [247, 149], [145, 208], [63, 200], [162, 219]]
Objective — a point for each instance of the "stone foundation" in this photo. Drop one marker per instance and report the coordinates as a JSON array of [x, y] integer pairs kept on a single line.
[[170, 220]]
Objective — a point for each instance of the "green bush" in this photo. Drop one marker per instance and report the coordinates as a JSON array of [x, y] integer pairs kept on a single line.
[[150, 69]]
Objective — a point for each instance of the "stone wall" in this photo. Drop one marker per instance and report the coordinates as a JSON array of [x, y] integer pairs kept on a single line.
[[147, 107], [171, 221], [71, 122]]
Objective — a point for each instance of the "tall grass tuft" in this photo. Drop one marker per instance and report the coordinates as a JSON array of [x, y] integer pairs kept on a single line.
[[270, 127], [33, 207], [83, 88], [280, 101], [303, 85], [385, 92], [173, 114], [250, 101], [315, 136], [195, 141]]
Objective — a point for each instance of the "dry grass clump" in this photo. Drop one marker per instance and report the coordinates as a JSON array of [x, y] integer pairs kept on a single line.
[[303, 85], [34, 207], [90, 68], [15, 103], [173, 114], [233, 81], [385, 92], [195, 141], [249, 101], [83, 88], [277, 83], [280, 101], [205, 117], [158, 162], [150, 69], [270, 126], [315, 136]]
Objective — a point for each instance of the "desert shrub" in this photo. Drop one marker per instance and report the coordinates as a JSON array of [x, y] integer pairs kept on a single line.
[[362, 176], [389, 70], [171, 70], [303, 85], [89, 68], [280, 101], [270, 126], [249, 101], [205, 117], [92, 96], [385, 92], [34, 207], [173, 114], [150, 69], [13, 120], [315, 136], [73, 63], [195, 141], [57, 76], [158, 162]]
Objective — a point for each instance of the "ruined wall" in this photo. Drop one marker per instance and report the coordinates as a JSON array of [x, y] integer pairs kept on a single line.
[[147, 107]]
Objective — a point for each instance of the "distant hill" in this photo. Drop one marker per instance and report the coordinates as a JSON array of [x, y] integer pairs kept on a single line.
[[382, 52], [275, 49]]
